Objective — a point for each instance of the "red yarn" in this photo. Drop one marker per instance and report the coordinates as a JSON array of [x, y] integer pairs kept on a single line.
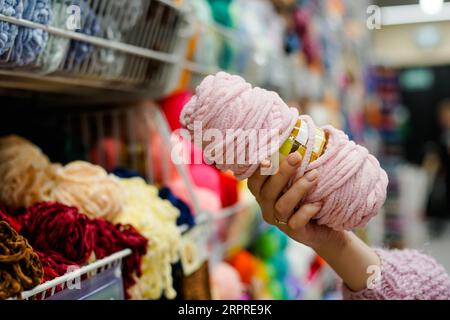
[[64, 237], [111, 238], [54, 227], [13, 222], [54, 264]]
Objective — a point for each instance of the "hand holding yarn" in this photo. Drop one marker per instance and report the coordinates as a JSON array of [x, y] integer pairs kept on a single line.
[[351, 185]]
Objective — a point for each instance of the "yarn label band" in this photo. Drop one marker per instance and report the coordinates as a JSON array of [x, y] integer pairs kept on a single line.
[[298, 141]]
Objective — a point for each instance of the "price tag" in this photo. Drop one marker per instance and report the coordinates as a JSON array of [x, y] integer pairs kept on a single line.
[[193, 249]]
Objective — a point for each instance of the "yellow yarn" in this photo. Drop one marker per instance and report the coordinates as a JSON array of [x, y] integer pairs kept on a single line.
[[155, 219]]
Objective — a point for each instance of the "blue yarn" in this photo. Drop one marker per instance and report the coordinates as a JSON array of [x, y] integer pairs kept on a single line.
[[110, 60], [186, 217], [126, 173], [281, 265], [31, 42], [89, 26], [8, 31]]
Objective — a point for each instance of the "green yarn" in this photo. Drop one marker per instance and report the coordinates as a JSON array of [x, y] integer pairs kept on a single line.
[[221, 12], [222, 15]]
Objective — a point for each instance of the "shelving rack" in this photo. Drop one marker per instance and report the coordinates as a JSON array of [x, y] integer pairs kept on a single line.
[[131, 48], [139, 57]]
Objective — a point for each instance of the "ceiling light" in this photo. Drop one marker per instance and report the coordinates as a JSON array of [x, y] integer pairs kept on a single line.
[[431, 7]]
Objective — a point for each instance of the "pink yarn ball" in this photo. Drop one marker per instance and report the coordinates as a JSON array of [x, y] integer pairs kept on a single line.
[[106, 153], [208, 200], [226, 282], [352, 185], [225, 102]]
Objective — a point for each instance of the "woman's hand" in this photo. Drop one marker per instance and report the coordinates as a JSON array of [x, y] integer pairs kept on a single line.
[[281, 208], [344, 252]]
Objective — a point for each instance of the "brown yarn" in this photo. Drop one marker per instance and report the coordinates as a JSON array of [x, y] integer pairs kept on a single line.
[[20, 268]]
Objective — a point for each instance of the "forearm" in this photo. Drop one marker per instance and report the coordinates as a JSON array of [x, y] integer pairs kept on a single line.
[[350, 258]]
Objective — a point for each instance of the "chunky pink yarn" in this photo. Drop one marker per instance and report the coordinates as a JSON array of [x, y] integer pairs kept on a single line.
[[225, 102], [352, 185]]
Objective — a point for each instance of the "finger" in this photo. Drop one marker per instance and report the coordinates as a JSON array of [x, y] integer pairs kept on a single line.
[[302, 217], [257, 180], [268, 217], [273, 187], [289, 201]]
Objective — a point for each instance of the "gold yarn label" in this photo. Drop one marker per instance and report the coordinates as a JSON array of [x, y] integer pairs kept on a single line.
[[298, 141]]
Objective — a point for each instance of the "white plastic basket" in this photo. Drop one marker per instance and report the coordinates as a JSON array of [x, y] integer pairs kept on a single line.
[[101, 280]]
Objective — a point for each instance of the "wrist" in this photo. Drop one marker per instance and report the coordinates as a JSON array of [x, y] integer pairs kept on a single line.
[[335, 241], [350, 258]]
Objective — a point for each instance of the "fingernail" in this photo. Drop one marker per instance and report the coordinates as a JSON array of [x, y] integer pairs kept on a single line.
[[266, 164], [294, 159], [317, 204], [312, 175]]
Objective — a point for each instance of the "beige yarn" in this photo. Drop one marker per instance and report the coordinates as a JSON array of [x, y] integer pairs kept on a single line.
[[28, 177], [87, 187], [23, 172]]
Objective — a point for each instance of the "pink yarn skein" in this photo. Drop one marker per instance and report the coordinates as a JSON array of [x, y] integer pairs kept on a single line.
[[226, 282], [352, 185]]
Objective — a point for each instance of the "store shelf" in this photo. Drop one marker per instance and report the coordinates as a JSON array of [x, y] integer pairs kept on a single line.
[[107, 54]]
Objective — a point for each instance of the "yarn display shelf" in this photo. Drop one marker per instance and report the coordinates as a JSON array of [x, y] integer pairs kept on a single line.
[[212, 40], [130, 48], [199, 68], [101, 276]]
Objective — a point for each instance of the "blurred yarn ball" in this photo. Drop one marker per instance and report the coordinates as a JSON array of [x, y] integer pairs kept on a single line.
[[245, 264], [90, 26], [56, 50], [269, 243], [280, 264], [46, 225], [8, 31], [226, 282], [20, 268], [23, 169], [87, 187], [30, 42]]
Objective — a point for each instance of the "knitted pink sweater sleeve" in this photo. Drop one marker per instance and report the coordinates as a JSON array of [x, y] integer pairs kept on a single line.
[[406, 275]]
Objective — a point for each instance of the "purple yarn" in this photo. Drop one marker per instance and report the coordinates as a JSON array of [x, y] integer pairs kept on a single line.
[[31, 42], [8, 31]]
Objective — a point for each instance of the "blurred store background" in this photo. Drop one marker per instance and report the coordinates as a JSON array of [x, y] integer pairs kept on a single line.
[[379, 70]]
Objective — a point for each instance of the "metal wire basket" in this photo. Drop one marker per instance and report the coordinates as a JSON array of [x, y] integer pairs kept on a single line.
[[131, 46]]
